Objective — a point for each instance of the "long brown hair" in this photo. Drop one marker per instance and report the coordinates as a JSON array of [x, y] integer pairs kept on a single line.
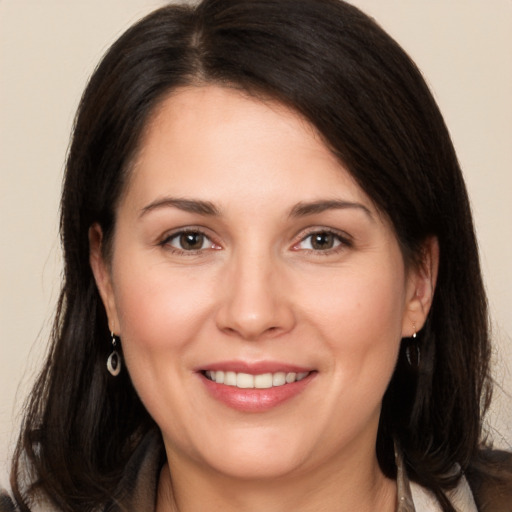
[[342, 72]]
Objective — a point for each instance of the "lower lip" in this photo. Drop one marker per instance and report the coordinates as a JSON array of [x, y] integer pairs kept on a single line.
[[255, 400]]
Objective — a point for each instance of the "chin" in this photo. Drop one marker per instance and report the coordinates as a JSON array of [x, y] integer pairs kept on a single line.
[[258, 466], [255, 457]]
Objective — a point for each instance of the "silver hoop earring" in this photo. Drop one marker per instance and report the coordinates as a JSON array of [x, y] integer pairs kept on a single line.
[[114, 359]]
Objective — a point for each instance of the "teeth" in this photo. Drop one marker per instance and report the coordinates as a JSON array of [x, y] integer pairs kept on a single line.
[[278, 379], [244, 380], [261, 381], [290, 377], [229, 378]]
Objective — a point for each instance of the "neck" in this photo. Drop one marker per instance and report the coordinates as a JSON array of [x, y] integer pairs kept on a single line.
[[357, 486]]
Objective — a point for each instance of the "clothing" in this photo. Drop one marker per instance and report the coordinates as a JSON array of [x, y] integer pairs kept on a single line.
[[140, 481], [412, 497]]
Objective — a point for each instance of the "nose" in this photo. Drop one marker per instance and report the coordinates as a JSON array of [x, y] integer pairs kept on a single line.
[[255, 300]]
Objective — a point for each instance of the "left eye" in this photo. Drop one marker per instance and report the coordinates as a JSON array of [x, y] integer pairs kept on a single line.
[[189, 241], [320, 241]]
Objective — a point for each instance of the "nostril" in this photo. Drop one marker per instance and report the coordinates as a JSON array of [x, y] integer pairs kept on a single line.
[[254, 319]]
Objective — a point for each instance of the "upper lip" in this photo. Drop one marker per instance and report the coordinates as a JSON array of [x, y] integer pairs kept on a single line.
[[254, 368]]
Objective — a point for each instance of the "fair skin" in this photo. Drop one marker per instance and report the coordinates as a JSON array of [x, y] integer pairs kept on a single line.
[[285, 264]]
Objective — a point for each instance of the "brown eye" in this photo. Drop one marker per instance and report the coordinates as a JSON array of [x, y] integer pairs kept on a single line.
[[188, 241], [191, 241], [322, 241]]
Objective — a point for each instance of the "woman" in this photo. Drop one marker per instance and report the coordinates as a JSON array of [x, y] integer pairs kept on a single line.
[[272, 294]]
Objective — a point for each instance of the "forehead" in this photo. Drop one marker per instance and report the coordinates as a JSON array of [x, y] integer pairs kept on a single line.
[[208, 140]]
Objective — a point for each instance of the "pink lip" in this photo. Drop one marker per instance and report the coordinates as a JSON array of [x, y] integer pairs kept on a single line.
[[255, 400]]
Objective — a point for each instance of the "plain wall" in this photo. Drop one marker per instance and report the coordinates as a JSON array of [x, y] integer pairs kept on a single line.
[[47, 51]]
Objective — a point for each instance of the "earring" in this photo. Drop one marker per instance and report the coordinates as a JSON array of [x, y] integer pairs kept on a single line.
[[114, 359], [412, 350]]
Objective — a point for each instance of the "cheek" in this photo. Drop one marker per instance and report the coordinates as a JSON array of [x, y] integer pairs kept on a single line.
[[158, 308], [160, 315], [360, 317]]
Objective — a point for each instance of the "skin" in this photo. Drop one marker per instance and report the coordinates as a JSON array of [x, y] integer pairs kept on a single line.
[[257, 289]]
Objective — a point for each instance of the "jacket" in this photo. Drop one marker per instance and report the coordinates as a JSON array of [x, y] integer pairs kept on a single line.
[[138, 487]]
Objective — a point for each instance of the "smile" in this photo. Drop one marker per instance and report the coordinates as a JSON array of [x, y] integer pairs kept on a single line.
[[260, 381], [255, 388]]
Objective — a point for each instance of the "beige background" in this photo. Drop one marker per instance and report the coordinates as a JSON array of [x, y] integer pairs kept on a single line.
[[47, 51]]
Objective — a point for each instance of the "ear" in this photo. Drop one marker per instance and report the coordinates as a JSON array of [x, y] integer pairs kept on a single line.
[[421, 284], [102, 276]]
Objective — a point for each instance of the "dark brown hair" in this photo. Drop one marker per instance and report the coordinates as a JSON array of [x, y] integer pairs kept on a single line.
[[343, 73]]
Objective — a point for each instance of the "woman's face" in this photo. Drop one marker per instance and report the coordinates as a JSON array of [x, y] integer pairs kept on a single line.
[[259, 295]]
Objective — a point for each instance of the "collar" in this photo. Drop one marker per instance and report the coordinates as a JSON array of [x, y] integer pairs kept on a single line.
[[412, 497], [138, 487], [405, 501]]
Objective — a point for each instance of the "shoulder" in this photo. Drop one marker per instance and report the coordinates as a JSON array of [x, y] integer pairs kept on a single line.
[[136, 489], [6, 504], [490, 478]]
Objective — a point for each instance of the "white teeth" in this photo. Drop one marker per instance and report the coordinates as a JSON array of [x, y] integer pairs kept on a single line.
[[290, 377], [244, 380], [229, 378], [278, 379], [260, 381], [263, 381]]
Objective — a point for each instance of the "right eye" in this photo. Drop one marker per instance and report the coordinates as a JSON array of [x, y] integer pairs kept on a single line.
[[188, 241]]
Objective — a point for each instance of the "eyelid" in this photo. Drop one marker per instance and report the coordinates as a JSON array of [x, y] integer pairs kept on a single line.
[[164, 240], [346, 241]]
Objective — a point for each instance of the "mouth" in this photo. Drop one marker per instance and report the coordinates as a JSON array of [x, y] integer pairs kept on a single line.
[[255, 388], [259, 381]]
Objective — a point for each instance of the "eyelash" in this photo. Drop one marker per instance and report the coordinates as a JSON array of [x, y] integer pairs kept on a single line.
[[342, 239], [166, 242]]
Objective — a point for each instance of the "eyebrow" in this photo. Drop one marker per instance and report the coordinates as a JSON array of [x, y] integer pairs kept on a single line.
[[301, 209], [187, 205], [304, 209]]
